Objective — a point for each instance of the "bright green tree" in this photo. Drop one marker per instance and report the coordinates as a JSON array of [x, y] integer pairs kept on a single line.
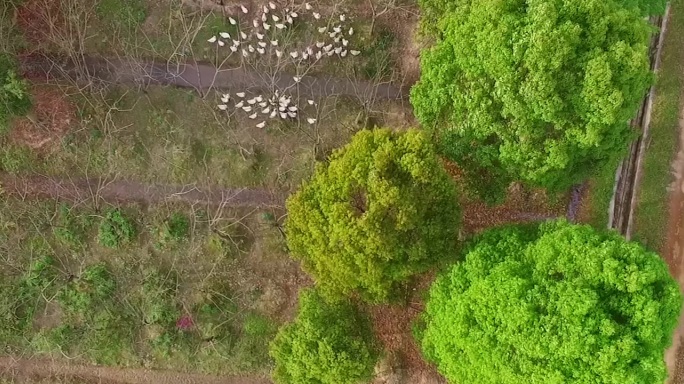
[[382, 210], [327, 343], [558, 303], [14, 97], [539, 91]]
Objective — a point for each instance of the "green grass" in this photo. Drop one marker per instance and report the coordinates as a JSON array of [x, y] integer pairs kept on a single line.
[[172, 136], [126, 14], [600, 192], [651, 214], [377, 56], [66, 295]]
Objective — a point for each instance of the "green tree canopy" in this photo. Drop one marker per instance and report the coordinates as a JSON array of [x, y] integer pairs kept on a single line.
[[558, 303], [382, 210], [539, 91], [14, 98], [325, 344]]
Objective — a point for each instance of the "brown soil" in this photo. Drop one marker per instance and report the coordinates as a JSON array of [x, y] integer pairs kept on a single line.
[[674, 255], [392, 326], [117, 191], [49, 121], [31, 370], [521, 206], [39, 19]]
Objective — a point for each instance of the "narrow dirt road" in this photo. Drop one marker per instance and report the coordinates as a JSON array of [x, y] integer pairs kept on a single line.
[[674, 255], [200, 76], [117, 191], [30, 370]]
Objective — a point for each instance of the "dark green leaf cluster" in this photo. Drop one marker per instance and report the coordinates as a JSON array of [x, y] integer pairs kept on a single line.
[[539, 91], [116, 229], [381, 211], [173, 230], [558, 303], [327, 343], [14, 97]]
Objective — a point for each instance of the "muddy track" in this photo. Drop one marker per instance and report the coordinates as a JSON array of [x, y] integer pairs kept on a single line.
[[627, 176], [197, 75], [121, 191], [23, 370], [673, 252]]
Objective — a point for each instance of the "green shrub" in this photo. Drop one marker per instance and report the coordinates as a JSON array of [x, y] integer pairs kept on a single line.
[[159, 299], [535, 91], [108, 335], [116, 230], [173, 230], [381, 211], [16, 159], [71, 229], [14, 95], [560, 303], [251, 348], [213, 317], [22, 297], [325, 344], [93, 287]]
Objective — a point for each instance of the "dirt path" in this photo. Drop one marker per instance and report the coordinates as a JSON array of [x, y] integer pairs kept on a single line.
[[28, 370], [674, 254], [117, 191], [200, 76]]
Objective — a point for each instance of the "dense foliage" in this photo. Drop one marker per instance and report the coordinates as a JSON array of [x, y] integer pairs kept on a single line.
[[116, 229], [14, 97], [560, 303], [382, 210], [533, 90], [327, 343]]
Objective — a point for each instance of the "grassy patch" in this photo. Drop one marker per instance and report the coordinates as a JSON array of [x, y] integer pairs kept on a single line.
[[173, 136], [377, 56], [126, 14], [600, 191], [183, 307], [651, 214]]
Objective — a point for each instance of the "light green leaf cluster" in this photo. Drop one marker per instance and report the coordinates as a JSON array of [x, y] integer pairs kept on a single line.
[[326, 344], [14, 97], [558, 303], [382, 210], [539, 91]]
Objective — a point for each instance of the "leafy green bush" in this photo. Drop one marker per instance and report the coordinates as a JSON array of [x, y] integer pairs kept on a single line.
[[96, 325], [116, 229], [175, 229], [381, 211], [159, 298], [70, 228], [558, 303], [15, 159], [94, 286], [22, 297], [532, 90], [213, 316], [160, 310], [251, 348], [14, 96], [325, 344]]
